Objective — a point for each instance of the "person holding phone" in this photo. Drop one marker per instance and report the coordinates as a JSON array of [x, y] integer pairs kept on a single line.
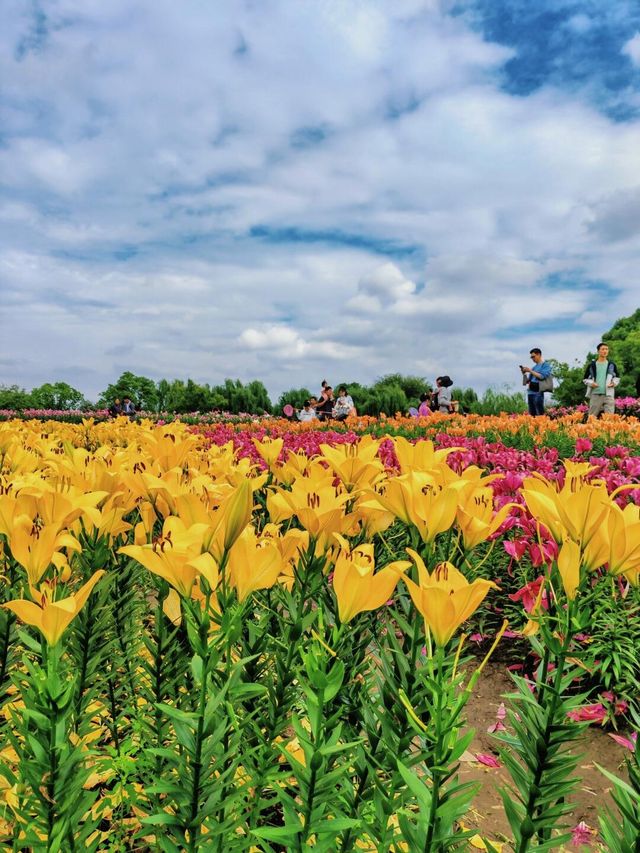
[[532, 377]]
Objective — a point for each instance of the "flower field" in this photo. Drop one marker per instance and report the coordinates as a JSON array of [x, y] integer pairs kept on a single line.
[[264, 636]]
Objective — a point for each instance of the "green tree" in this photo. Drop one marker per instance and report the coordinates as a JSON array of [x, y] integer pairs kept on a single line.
[[467, 398], [569, 388], [58, 395], [624, 348], [258, 397], [412, 386], [14, 397], [195, 398], [495, 402]]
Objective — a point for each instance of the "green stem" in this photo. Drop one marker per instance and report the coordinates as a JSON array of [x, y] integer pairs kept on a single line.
[[438, 759], [285, 676], [5, 643], [313, 778], [52, 775], [194, 828], [158, 682], [114, 713], [533, 808], [363, 782]]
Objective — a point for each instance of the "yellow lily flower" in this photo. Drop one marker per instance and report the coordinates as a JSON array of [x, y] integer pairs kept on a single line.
[[60, 509], [37, 546], [475, 516], [168, 445], [298, 465], [575, 473], [445, 598], [584, 511], [416, 499], [577, 510], [357, 588], [173, 556], [624, 541], [269, 449], [569, 561], [317, 503], [11, 507], [253, 563], [112, 523], [597, 551], [52, 618], [291, 545], [541, 500], [421, 456], [372, 516], [357, 465], [229, 520]]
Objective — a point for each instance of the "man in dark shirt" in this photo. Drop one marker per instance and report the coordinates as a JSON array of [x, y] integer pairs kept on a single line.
[[325, 405], [115, 408]]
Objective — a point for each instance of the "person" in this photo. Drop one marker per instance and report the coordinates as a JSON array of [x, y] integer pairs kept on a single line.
[[532, 377], [601, 378], [324, 406], [128, 408], [306, 413], [115, 408], [423, 408], [444, 384], [344, 406]]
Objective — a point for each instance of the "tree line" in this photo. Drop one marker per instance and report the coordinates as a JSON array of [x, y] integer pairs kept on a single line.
[[388, 395]]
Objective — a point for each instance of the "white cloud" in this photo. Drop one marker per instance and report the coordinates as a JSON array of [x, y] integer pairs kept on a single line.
[[410, 213], [631, 49]]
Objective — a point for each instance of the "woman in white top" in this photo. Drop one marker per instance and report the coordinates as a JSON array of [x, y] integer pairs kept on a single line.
[[344, 407], [444, 384]]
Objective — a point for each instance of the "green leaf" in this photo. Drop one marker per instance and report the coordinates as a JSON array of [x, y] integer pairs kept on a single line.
[[278, 833], [161, 819]]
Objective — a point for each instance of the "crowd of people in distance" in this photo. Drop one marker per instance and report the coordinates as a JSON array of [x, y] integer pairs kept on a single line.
[[326, 406], [601, 378]]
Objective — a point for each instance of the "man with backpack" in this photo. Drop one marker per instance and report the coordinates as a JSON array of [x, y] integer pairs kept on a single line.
[[601, 378]]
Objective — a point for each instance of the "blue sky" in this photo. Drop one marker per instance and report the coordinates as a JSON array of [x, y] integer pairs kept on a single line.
[[327, 188]]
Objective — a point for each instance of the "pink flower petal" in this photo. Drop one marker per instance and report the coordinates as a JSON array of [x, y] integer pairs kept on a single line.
[[487, 760], [628, 742], [582, 834]]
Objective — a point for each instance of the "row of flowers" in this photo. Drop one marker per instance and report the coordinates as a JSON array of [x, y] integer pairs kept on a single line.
[[246, 644]]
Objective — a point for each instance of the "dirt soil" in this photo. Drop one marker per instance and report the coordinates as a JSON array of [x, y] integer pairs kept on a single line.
[[591, 795]]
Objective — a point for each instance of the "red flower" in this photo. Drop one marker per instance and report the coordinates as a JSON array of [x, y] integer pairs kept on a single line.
[[528, 595], [487, 760], [595, 713]]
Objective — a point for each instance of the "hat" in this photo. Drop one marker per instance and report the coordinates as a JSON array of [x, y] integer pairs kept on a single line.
[[446, 381]]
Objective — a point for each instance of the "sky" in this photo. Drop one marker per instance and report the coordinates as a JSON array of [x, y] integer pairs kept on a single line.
[[292, 190]]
